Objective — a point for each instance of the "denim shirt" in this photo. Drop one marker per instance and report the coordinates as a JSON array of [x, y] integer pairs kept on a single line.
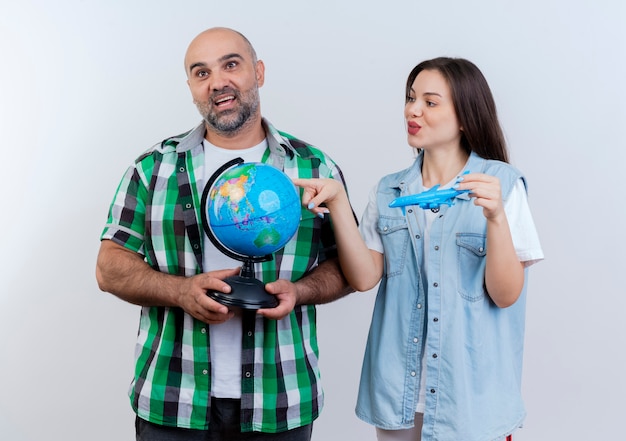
[[472, 350]]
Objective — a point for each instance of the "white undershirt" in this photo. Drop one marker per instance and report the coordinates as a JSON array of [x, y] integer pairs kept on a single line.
[[226, 337], [523, 233]]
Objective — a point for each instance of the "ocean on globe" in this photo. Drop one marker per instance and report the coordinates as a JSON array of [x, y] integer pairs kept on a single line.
[[253, 209]]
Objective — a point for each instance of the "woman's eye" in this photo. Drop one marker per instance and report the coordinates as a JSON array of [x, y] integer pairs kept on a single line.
[[410, 99], [431, 103]]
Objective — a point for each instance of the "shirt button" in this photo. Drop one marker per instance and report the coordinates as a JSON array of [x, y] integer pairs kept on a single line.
[[435, 284], [432, 391], [419, 306], [182, 169], [415, 340], [385, 228], [417, 236], [410, 210], [203, 330], [435, 319], [413, 374], [480, 249], [248, 374], [434, 355], [187, 205], [436, 247], [249, 333], [205, 371]]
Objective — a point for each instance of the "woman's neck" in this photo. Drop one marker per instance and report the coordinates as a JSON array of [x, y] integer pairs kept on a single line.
[[442, 167]]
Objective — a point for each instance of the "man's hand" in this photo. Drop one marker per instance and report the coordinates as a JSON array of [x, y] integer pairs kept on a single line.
[[193, 299], [286, 294], [323, 284], [125, 274]]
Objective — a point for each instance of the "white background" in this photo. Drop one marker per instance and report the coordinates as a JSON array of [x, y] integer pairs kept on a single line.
[[85, 86]]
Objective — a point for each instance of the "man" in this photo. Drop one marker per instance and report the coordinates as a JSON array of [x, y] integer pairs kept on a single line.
[[204, 371]]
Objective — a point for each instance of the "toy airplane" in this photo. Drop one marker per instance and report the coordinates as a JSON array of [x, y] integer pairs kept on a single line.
[[431, 199]]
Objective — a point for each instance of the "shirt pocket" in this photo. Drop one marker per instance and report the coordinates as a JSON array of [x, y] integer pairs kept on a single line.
[[394, 233], [472, 250]]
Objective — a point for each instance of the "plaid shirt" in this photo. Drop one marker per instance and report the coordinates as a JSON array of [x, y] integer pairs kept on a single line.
[[156, 212]]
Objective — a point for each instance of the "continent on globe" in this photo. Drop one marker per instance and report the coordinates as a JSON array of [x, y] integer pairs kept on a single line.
[[253, 209]]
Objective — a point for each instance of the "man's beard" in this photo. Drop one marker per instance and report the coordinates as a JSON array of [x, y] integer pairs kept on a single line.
[[232, 121]]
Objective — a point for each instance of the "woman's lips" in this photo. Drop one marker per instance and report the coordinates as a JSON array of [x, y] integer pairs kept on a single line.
[[413, 127]]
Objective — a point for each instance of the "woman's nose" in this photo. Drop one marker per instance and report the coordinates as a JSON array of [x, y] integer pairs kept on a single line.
[[414, 109]]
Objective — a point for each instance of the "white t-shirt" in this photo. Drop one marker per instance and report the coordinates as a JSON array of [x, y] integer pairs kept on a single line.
[[521, 224], [225, 337]]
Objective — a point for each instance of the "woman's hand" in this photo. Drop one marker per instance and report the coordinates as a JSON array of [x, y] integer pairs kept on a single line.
[[329, 192], [485, 190]]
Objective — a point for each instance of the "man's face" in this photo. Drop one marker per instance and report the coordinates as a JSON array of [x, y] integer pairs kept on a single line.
[[224, 80]]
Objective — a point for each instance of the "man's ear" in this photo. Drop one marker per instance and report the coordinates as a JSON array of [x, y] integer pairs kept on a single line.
[[260, 72]]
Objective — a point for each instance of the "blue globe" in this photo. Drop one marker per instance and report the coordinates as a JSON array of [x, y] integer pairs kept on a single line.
[[253, 209]]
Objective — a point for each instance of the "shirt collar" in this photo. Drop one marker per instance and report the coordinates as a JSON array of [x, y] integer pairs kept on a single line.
[[279, 146]]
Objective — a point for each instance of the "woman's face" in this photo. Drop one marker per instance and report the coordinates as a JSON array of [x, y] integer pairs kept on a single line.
[[430, 115]]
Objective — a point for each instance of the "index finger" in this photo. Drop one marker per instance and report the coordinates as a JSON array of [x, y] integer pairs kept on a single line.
[[301, 182], [223, 273], [214, 280]]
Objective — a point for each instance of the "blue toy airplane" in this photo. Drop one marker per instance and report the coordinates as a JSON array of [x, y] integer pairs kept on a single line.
[[431, 199]]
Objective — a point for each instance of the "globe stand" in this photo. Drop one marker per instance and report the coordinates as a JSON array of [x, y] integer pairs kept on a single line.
[[247, 292]]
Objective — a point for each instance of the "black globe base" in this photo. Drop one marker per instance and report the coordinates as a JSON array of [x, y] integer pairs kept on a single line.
[[246, 293]]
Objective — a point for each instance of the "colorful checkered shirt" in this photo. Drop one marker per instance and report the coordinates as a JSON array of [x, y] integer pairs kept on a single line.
[[156, 213]]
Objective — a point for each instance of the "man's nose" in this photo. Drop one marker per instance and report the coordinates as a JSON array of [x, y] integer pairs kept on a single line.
[[219, 81]]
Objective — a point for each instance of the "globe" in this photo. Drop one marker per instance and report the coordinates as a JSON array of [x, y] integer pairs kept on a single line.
[[253, 209]]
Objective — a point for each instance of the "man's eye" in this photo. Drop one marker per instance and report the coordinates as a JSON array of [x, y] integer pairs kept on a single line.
[[202, 73], [231, 64]]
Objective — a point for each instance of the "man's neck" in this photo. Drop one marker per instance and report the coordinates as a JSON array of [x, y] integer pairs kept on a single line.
[[246, 138]]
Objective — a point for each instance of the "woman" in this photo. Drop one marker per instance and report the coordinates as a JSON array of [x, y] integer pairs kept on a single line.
[[444, 353]]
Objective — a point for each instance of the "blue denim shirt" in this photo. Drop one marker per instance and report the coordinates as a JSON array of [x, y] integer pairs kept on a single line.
[[472, 350]]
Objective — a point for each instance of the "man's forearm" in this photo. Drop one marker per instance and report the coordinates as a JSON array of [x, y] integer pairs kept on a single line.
[[324, 284], [126, 275]]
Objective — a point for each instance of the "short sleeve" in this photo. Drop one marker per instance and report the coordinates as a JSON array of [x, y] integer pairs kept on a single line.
[[523, 231], [367, 227], [125, 223]]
